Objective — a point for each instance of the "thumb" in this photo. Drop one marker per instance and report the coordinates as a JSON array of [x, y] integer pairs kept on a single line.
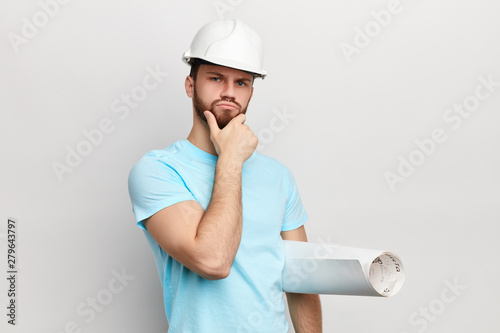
[[212, 122]]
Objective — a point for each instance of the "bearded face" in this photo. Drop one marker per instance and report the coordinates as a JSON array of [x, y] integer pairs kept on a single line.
[[223, 91], [220, 109]]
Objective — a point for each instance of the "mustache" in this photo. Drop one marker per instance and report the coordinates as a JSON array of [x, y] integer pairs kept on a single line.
[[231, 100]]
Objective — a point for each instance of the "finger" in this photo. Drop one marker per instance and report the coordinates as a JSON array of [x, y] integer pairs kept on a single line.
[[212, 122], [241, 118]]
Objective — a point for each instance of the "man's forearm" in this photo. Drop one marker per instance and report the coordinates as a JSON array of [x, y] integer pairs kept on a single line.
[[305, 312], [219, 231]]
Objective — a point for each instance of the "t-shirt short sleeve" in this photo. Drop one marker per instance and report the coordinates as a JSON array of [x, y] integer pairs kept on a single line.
[[153, 185], [295, 213]]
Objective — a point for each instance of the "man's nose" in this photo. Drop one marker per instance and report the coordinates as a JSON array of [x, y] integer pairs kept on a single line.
[[228, 90]]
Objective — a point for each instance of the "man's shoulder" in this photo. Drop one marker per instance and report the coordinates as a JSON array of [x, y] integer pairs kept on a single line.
[[158, 157], [164, 154]]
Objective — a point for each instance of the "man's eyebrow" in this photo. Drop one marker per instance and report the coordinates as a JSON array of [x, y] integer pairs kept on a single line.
[[222, 75], [245, 79], [215, 73]]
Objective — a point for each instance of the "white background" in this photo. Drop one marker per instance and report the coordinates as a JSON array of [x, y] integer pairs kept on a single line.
[[354, 117]]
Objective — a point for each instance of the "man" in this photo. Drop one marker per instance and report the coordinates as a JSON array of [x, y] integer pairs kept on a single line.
[[214, 211]]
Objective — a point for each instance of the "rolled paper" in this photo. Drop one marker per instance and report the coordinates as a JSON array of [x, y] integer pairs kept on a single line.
[[313, 268]]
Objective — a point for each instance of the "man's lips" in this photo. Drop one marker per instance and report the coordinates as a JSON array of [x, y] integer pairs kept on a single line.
[[226, 105]]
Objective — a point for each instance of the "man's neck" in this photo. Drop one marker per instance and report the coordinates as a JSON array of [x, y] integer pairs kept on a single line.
[[200, 136]]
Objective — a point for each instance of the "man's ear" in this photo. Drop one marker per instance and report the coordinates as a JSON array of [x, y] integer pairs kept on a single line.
[[251, 94], [189, 85]]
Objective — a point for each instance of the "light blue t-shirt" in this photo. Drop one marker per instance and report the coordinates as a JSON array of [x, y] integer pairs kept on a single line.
[[250, 299]]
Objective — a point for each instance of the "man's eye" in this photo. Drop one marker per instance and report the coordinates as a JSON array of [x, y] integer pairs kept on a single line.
[[241, 83], [215, 79]]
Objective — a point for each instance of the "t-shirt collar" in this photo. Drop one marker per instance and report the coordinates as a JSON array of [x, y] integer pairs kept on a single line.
[[197, 152]]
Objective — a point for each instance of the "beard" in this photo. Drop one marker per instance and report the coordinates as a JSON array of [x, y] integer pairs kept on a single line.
[[224, 117]]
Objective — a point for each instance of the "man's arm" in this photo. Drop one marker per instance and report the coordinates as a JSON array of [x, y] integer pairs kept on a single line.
[[305, 309], [207, 242]]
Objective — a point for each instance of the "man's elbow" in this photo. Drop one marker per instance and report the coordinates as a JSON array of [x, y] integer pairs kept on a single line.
[[215, 275], [214, 270], [207, 264]]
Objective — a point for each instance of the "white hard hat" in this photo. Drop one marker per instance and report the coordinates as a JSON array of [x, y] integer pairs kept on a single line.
[[229, 43]]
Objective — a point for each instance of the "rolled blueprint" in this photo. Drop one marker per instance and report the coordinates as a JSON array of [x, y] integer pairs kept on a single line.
[[313, 268]]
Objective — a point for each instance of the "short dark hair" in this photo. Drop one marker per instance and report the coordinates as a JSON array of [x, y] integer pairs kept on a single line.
[[195, 65]]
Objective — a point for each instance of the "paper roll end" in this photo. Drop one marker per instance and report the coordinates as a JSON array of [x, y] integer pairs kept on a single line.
[[386, 274]]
